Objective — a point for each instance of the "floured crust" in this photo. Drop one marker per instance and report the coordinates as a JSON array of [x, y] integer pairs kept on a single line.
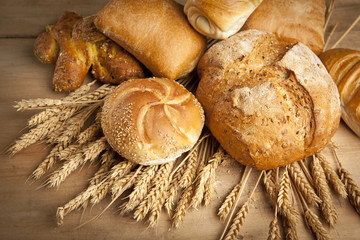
[[268, 102], [151, 121]]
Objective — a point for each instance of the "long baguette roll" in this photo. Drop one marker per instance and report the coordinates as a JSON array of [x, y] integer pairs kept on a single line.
[[344, 67], [156, 32], [219, 19], [295, 20], [268, 102]]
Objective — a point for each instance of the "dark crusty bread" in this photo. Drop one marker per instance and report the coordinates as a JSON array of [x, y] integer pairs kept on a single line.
[[268, 102], [151, 121]]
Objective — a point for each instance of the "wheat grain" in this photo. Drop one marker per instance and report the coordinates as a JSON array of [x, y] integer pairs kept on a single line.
[[116, 173], [303, 186], [182, 206], [352, 188], [331, 176], [228, 202], [274, 230], [140, 190], [327, 207], [159, 186], [314, 224], [88, 154], [48, 162], [284, 201], [238, 222]]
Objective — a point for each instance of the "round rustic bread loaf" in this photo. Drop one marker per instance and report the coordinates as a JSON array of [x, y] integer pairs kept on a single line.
[[151, 121], [269, 103]]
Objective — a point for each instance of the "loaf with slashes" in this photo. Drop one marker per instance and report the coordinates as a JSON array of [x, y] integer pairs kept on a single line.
[[151, 121], [268, 102]]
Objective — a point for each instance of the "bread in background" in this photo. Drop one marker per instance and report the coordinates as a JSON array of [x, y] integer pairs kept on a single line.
[[268, 102], [219, 19], [75, 46], [151, 121], [297, 21], [344, 67], [156, 32]]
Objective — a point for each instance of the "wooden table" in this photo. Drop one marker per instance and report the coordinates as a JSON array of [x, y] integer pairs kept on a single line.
[[28, 211]]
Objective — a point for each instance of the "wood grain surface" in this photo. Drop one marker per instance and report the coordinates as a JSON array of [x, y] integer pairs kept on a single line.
[[27, 210]]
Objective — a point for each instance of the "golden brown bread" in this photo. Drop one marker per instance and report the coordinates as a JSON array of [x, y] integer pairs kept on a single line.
[[344, 68], [298, 21], [219, 19], [156, 32], [267, 102], [74, 45], [151, 121]]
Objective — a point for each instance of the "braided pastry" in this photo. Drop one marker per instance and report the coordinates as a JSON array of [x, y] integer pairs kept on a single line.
[[74, 45]]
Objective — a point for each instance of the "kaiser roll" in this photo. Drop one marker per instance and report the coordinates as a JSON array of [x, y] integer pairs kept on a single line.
[[151, 121]]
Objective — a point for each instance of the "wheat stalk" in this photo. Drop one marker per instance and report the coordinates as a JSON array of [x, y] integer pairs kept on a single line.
[[140, 190], [116, 173], [240, 216], [352, 188], [332, 176], [90, 153], [182, 206], [159, 186], [274, 229], [303, 185], [327, 207], [48, 162]]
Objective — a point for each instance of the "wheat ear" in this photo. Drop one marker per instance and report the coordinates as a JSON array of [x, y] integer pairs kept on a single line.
[[90, 153], [140, 190], [210, 184], [240, 217], [327, 207], [274, 229], [303, 185], [332, 176], [182, 206], [156, 194]]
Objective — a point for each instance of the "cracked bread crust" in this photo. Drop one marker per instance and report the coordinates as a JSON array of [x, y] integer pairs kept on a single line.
[[268, 102], [151, 121]]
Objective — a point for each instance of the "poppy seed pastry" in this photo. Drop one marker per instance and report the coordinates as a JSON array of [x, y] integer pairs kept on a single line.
[[268, 102], [151, 120]]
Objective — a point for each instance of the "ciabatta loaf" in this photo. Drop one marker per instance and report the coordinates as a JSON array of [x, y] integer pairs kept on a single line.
[[156, 32], [344, 67], [268, 102], [151, 121], [295, 20], [219, 19]]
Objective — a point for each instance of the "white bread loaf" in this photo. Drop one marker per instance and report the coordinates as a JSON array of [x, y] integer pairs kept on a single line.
[[269, 103], [156, 32], [344, 67], [298, 21], [219, 19], [151, 121]]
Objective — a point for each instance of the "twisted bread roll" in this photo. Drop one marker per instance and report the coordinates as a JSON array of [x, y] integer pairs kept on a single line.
[[74, 45], [298, 21], [269, 103], [156, 32], [151, 121], [344, 67], [219, 19]]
